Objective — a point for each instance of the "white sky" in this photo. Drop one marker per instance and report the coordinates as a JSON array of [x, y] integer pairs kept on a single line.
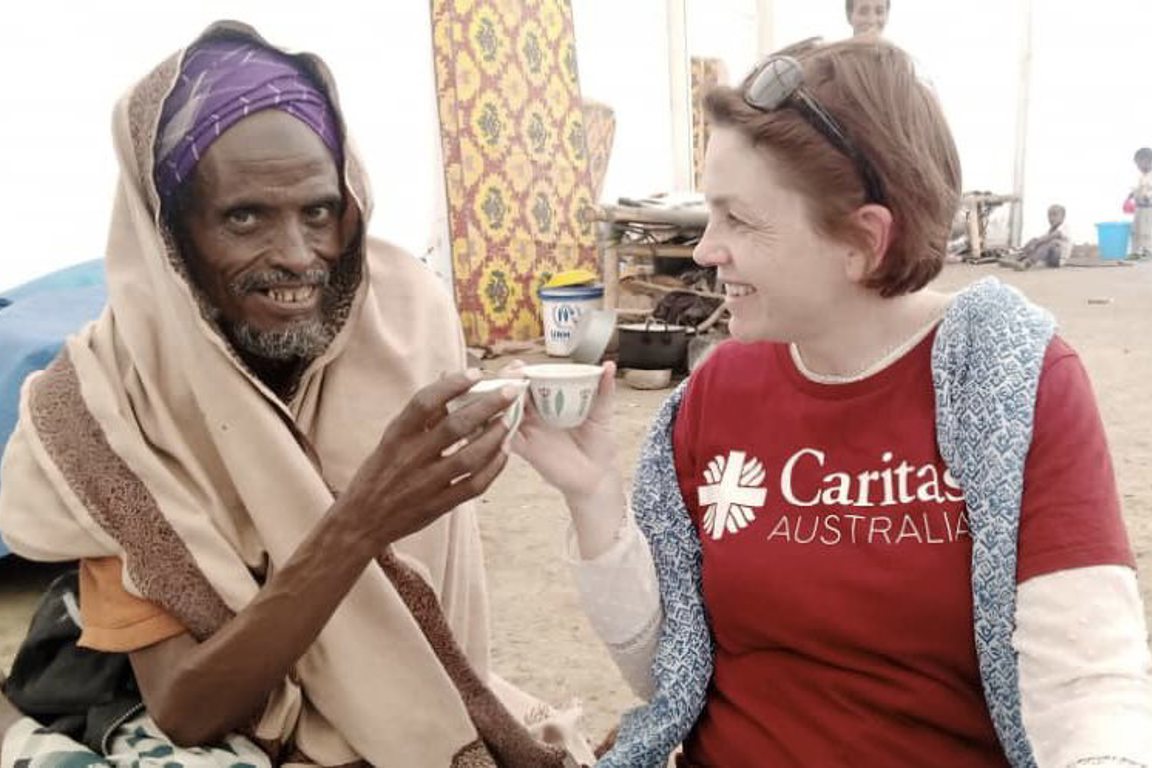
[[1090, 105]]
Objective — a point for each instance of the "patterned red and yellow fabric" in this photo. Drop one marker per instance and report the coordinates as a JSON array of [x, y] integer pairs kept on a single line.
[[600, 128], [706, 74], [520, 203]]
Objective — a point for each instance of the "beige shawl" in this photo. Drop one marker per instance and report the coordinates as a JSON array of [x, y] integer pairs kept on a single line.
[[147, 439]]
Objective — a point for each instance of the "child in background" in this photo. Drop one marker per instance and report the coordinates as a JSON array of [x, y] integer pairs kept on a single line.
[[1051, 248], [1141, 197]]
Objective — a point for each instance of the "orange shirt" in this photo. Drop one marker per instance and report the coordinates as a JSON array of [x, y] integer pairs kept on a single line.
[[115, 620]]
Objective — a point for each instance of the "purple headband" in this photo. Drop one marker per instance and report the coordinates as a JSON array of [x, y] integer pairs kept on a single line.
[[222, 81]]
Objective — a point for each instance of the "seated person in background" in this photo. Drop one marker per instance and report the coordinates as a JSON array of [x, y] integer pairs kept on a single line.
[[1052, 248], [248, 454]]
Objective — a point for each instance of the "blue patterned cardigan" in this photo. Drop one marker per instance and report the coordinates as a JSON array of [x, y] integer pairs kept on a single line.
[[986, 363]]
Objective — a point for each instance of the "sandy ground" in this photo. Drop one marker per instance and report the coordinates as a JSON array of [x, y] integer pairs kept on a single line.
[[542, 640]]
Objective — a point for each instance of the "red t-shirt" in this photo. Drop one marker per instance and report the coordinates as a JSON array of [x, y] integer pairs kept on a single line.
[[837, 557]]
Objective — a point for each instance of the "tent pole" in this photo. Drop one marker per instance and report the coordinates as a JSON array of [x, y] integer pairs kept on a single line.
[[1022, 110], [680, 80]]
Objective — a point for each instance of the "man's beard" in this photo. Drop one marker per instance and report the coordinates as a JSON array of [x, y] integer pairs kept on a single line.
[[304, 340]]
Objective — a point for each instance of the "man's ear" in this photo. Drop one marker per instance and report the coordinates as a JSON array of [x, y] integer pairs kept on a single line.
[[874, 224]]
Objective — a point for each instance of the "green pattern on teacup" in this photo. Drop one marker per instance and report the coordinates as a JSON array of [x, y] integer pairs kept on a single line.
[[514, 414], [559, 402], [585, 398]]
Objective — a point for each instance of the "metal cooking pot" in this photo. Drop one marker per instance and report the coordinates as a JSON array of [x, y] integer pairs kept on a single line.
[[653, 346]]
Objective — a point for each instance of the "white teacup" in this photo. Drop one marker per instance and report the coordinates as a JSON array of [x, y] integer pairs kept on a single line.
[[563, 392], [512, 415]]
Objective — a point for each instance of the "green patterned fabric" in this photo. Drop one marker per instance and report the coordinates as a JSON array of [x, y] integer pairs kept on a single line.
[[137, 743]]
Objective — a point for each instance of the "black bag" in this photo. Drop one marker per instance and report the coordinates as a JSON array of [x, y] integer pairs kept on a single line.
[[78, 692]]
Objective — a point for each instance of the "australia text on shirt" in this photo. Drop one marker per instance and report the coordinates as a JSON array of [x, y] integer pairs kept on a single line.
[[894, 503]]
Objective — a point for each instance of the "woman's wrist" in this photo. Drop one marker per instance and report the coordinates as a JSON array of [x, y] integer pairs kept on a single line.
[[598, 516]]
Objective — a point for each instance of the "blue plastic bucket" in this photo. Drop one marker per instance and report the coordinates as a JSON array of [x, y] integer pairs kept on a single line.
[[1112, 239], [562, 308]]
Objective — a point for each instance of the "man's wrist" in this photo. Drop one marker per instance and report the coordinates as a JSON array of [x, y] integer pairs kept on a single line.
[[355, 530]]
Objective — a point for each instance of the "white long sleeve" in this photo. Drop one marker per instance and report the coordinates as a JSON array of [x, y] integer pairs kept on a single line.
[[1085, 669], [621, 597]]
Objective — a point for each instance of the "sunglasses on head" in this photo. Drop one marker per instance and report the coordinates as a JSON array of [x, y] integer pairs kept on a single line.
[[778, 82]]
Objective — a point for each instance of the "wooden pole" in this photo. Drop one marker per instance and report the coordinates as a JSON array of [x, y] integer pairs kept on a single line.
[[610, 270], [975, 240], [680, 217]]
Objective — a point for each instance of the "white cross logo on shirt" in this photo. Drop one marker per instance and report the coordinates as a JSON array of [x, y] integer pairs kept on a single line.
[[735, 486]]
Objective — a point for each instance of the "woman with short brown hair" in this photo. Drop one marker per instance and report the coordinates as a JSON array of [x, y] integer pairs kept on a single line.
[[913, 159], [880, 527]]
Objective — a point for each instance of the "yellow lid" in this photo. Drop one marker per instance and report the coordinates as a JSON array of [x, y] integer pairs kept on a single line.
[[571, 277]]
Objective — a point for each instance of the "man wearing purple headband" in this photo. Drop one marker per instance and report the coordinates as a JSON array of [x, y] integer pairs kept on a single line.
[[250, 455], [273, 311]]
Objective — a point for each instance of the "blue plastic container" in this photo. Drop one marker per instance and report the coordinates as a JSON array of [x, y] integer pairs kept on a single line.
[[1112, 239]]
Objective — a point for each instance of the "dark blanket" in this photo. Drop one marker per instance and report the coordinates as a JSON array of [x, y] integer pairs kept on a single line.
[[81, 693]]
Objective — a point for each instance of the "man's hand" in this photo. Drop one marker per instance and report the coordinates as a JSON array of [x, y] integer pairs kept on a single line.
[[429, 460]]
